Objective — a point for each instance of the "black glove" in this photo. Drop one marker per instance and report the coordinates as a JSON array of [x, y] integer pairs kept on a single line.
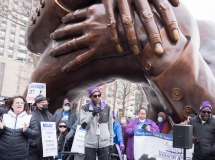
[[144, 126], [96, 110]]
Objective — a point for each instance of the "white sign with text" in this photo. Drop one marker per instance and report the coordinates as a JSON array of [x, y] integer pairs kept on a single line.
[[49, 139], [157, 145], [35, 89], [78, 143]]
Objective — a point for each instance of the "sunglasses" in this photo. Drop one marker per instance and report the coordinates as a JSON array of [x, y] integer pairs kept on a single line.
[[208, 112], [95, 96], [62, 126]]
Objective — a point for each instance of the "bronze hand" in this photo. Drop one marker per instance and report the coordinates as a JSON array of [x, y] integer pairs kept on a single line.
[[143, 8]]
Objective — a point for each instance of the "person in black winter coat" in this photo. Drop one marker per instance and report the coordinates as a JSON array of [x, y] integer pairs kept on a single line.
[[61, 134], [41, 114], [204, 133], [16, 127]]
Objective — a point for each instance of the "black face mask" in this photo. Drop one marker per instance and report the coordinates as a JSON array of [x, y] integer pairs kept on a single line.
[[45, 107]]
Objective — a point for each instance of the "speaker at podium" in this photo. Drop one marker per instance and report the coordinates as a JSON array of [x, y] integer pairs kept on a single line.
[[182, 136]]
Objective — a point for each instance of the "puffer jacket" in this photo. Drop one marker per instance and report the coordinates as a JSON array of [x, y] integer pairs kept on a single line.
[[205, 133], [13, 141]]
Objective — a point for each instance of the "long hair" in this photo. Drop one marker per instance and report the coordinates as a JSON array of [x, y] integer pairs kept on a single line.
[[10, 103]]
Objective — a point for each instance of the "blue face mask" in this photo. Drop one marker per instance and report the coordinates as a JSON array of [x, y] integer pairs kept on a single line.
[[160, 119], [123, 121]]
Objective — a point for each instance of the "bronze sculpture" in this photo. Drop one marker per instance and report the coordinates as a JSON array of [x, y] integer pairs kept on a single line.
[[100, 61]]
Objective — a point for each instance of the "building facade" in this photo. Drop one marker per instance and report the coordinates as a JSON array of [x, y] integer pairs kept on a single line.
[[15, 64]]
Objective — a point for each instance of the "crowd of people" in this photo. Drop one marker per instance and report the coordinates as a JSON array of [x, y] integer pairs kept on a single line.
[[20, 136]]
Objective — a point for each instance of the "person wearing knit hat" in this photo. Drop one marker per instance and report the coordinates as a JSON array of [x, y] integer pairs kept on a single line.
[[203, 133], [93, 89], [96, 119], [162, 123], [69, 116]]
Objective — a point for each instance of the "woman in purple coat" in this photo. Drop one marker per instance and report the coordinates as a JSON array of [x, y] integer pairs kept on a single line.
[[138, 123]]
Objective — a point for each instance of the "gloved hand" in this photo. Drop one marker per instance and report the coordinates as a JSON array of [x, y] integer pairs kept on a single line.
[[110, 148], [122, 147], [96, 110]]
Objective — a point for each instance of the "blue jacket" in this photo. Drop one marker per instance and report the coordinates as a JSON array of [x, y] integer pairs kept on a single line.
[[117, 133]]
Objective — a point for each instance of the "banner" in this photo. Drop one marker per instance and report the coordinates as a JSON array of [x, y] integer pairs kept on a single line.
[[49, 139], [35, 89], [78, 143], [157, 145]]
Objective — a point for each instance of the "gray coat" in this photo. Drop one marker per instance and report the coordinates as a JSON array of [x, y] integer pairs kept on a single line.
[[89, 123]]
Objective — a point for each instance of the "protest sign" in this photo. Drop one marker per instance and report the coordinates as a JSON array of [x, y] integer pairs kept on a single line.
[[35, 89], [157, 145], [49, 139], [78, 143]]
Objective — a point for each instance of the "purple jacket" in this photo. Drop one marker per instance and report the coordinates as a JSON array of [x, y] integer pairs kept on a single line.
[[130, 131]]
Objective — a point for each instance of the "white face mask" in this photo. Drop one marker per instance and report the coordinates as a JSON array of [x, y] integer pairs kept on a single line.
[[66, 108]]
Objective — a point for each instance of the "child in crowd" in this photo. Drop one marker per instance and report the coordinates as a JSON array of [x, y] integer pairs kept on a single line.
[[61, 136]]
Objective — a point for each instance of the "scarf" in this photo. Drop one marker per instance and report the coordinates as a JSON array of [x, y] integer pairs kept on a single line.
[[102, 104]]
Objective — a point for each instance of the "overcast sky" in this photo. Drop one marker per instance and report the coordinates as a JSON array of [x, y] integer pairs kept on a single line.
[[201, 9]]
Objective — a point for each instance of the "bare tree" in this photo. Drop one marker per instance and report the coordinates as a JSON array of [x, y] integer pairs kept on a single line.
[[125, 94], [112, 92], [140, 97]]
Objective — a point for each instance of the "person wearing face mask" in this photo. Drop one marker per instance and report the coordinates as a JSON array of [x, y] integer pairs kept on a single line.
[[70, 117], [41, 114], [124, 123], [162, 123]]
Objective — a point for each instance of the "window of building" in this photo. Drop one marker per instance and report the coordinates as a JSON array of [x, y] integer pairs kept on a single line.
[[12, 29], [2, 68], [21, 40], [22, 55], [1, 51], [22, 32], [3, 26], [12, 37], [11, 44], [1, 42]]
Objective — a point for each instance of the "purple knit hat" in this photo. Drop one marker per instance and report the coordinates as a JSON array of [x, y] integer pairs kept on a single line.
[[93, 89], [204, 105]]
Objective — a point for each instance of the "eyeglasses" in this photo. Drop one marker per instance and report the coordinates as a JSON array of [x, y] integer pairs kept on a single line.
[[208, 112], [62, 126], [17, 103], [95, 96]]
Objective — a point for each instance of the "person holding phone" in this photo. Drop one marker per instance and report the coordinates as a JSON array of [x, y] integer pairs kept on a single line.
[[204, 133], [142, 122]]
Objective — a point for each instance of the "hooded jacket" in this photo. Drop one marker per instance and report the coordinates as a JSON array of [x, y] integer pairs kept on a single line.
[[205, 133], [90, 124], [13, 141]]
